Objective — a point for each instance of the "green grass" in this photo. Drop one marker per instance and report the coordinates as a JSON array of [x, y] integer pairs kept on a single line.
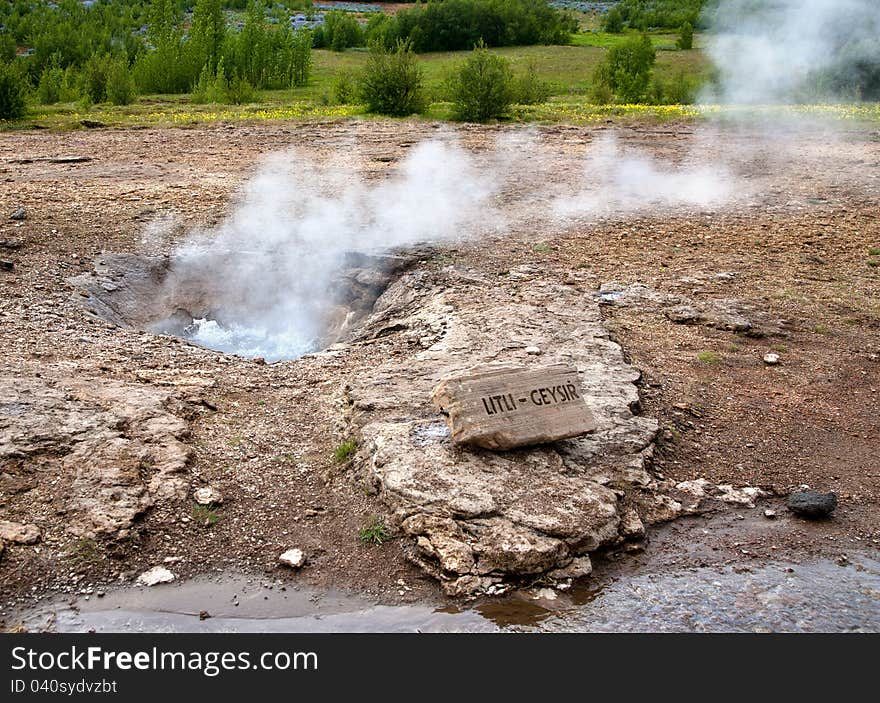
[[708, 357], [566, 69], [873, 252], [375, 531], [344, 451], [542, 248], [661, 41], [82, 552], [205, 515]]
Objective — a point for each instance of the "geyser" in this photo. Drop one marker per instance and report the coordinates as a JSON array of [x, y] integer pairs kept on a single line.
[[190, 298]]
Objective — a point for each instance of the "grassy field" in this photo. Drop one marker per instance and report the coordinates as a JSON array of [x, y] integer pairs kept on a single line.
[[567, 69]]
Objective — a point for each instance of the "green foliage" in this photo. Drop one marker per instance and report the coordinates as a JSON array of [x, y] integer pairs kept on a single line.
[[343, 88], [529, 88], [392, 82], [627, 70], [13, 86], [459, 24], [339, 32], [482, 89], [208, 33], [680, 89], [612, 22], [210, 88], [120, 86], [685, 39], [239, 91], [708, 357], [94, 78], [301, 58], [7, 48], [83, 552], [344, 451], [51, 84], [375, 531], [661, 14], [205, 515]]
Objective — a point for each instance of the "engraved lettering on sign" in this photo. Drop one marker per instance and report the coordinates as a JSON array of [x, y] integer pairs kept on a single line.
[[496, 404], [503, 406]]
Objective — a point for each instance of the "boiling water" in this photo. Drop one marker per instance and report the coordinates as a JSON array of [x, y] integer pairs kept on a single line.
[[255, 341]]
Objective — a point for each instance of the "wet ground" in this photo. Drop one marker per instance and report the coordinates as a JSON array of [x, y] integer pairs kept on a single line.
[[820, 596]]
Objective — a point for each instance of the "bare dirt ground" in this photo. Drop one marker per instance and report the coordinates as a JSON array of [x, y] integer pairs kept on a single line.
[[798, 245]]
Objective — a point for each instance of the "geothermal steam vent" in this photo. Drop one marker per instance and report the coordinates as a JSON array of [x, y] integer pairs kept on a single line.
[[211, 299]]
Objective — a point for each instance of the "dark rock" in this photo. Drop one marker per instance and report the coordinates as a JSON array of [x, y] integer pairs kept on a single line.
[[11, 244], [812, 504], [6, 265], [19, 214]]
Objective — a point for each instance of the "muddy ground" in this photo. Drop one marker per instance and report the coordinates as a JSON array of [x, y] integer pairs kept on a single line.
[[797, 244]]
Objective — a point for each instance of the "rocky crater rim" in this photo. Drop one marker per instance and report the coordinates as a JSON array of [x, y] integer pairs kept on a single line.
[[173, 294]]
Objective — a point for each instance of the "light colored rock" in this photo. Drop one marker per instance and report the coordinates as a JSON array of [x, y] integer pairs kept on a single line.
[[532, 351], [115, 447], [770, 514], [294, 558], [480, 517], [580, 567], [631, 525], [207, 495], [508, 406], [771, 358], [19, 533], [155, 576], [544, 594], [744, 496]]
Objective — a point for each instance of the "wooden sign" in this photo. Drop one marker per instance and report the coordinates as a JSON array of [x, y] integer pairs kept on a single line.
[[502, 407]]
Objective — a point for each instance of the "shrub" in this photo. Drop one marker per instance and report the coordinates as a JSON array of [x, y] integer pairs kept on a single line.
[[94, 78], [392, 82], [239, 91], [459, 24], [482, 88], [120, 84], [678, 90], [627, 69], [613, 21], [529, 88], [50, 86], [339, 31], [210, 88], [12, 92], [686, 36], [343, 88]]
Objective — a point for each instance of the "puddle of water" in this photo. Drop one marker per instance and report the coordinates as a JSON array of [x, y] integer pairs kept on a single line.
[[817, 597]]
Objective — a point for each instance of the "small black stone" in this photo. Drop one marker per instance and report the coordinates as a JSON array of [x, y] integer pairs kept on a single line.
[[812, 504], [19, 214], [6, 265]]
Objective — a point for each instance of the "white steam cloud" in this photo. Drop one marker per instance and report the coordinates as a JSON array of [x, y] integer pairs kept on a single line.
[[277, 254], [772, 51]]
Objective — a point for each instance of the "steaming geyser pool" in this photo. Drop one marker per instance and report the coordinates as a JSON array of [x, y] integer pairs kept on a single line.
[[211, 300], [249, 341]]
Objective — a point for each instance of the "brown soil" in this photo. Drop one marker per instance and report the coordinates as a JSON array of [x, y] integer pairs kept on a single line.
[[798, 243]]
